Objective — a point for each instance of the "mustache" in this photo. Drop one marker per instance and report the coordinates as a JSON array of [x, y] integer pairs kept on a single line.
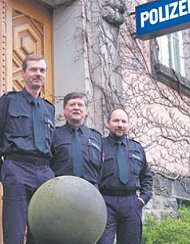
[[120, 128], [38, 77]]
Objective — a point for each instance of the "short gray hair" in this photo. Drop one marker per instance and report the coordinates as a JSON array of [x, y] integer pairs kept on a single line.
[[74, 95]]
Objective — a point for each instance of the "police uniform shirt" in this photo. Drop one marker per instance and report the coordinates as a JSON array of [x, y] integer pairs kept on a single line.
[[139, 175], [91, 149], [16, 131]]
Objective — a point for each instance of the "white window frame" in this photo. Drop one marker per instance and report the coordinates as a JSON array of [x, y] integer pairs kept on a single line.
[[170, 52]]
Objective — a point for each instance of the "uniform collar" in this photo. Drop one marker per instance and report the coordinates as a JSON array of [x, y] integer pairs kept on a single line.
[[27, 95], [71, 127], [115, 140]]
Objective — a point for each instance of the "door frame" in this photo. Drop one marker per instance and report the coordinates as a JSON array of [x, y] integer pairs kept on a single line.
[[41, 13]]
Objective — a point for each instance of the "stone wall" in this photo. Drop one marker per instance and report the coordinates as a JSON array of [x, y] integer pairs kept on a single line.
[[168, 193]]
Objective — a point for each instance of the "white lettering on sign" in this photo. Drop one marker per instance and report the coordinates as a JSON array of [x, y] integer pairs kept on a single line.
[[162, 17], [166, 12], [173, 13]]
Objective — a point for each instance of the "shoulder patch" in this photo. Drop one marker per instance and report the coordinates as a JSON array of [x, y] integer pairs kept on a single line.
[[9, 93]]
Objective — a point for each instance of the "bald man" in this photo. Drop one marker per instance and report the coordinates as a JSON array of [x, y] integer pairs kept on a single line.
[[126, 182]]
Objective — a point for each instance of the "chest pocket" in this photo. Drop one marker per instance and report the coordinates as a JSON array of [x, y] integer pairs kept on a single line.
[[109, 167], [19, 123], [49, 128], [94, 149], [136, 162]]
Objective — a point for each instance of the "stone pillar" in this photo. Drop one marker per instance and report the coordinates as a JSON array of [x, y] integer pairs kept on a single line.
[[86, 54], [69, 74], [103, 19]]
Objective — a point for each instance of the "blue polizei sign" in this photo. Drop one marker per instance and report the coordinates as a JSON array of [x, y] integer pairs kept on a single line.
[[162, 17]]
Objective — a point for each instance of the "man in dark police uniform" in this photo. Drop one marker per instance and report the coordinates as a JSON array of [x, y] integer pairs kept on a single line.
[[26, 132], [125, 171], [77, 149]]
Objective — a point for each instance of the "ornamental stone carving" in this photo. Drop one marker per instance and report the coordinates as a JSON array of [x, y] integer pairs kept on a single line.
[[113, 11]]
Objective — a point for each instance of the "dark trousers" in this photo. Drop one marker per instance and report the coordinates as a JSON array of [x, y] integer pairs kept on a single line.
[[124, 220], [20, 181]]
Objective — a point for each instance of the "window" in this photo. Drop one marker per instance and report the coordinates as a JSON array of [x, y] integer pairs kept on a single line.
[[172, 58]]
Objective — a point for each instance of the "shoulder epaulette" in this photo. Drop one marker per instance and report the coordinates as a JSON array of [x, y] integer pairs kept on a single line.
[[9, 93], [48, 102], [96, 131], [58, 126], [132, 139]]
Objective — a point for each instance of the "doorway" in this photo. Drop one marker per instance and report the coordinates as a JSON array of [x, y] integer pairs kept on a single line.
[[26, 28]]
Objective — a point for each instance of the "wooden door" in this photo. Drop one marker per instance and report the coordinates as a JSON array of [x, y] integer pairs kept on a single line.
[[32, 33], [26, 28]]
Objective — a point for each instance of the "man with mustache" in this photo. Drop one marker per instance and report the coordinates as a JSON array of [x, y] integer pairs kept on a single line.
[[26, 132], [126, 182], [77, 149]]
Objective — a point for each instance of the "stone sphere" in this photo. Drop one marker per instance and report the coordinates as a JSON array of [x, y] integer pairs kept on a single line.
[[67, 210]]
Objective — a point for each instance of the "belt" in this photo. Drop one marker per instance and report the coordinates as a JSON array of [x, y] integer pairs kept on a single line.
[[118, 193], [35, 160]]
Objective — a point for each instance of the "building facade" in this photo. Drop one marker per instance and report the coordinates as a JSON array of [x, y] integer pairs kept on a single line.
[[91, 46]]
